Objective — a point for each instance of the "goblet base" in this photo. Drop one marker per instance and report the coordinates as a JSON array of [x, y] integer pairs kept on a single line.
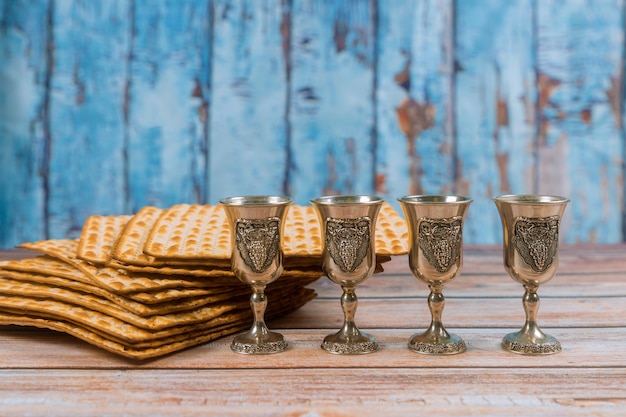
[[429, 344], [355, 344], [520, 342], [250, 344]]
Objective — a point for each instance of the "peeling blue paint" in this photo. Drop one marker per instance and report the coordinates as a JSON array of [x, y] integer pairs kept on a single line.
[[23, 38], [111, 105]]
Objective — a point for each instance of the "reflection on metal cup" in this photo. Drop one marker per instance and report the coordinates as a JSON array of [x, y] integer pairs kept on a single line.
[[348, 258], [256, 224], [530, 226], [435, 225]]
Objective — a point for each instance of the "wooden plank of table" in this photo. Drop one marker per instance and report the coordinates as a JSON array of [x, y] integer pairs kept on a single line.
[[489, 286], [462, 312], [353, 391], [50, 373], [601, 348]]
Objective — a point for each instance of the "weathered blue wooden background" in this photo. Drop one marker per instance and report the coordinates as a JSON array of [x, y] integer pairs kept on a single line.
[[110, 105]]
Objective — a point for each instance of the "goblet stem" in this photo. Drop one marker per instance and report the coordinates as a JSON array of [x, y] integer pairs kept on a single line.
[[530, 301], [259, 340], [436, 303], [531, 339], [349, 303], [436, 340], [349, 340], [258, 303]]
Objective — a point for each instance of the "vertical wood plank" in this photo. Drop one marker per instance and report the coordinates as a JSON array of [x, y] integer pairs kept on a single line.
[[122, 119], [86, 175], [332, 113], [494, 102], [414, 152], [248, 130], [24, 32], [618, 100], [581, 144], [167, 103]]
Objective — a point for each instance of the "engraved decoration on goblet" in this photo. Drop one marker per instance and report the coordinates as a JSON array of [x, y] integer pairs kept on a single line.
[[530, 225], [435, 225], [348, 258], [256, 224]]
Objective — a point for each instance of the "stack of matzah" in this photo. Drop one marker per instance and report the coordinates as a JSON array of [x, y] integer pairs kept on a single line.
[[160, 281]]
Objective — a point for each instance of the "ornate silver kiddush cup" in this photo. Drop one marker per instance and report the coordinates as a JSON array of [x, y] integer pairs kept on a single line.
[[257, 259], [435, 225], [348, 258], [530, 224]]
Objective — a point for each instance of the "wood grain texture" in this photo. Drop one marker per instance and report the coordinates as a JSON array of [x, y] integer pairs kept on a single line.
[[248, 130], [166, 103], [112, 105], [87, 83], [24, 55], [580, 140], [415, 145], [32, 349], [439, 391], [52, 374], [332, 82], [494, 113]]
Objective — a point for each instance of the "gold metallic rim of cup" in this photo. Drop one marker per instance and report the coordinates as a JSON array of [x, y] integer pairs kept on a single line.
[[531, 199], [256, 200], [434, 199], [347, 199]]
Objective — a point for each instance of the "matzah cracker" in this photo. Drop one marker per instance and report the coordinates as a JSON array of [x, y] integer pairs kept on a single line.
[[130, 334], [128, 252], [135, 233], [188, 232], [195, 232], [112, 279], [243, 318], [292, 266], [98, 236], [46, 293], [143, 287], [210, 269], [141, 309], [302, 236], [392, 233], [283, 301], [100, 323], [46, 265], [147, 299], [129, 246], [110, 345], [188, 340], [153, 288]]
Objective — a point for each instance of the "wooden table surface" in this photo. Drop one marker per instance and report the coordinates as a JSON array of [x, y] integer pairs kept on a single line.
[[47, 373]]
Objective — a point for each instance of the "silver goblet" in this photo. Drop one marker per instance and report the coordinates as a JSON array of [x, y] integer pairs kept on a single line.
[[530, 224], [348, 258], [257, 260], [435, 225]]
